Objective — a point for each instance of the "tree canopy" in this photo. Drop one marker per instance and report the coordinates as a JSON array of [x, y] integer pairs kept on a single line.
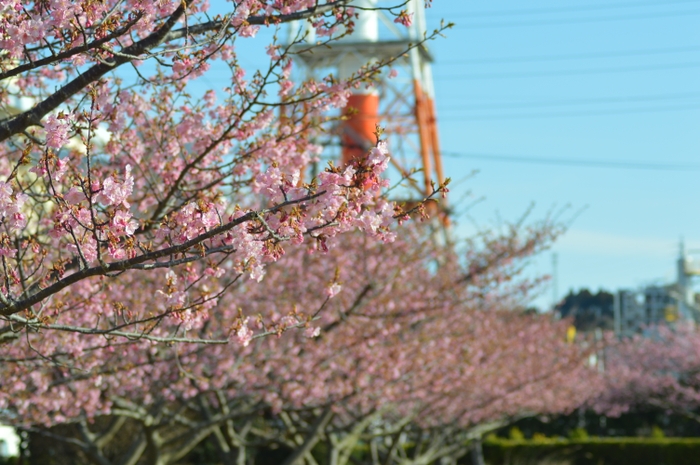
[[158, 244]]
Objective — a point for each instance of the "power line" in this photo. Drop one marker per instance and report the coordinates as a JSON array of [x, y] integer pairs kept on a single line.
[[521, 59], [568, 72], [539, 11], [583, 101], [546, 22], [573, 162], [615, 111]]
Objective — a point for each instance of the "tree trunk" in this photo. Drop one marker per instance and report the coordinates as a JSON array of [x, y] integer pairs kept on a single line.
[[333, 454], [240, 455], [313, 437], [477, 453]]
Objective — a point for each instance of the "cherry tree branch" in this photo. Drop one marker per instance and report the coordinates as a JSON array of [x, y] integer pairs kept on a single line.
[[70, 52], [19, 123], [33, 117], [139, 262]]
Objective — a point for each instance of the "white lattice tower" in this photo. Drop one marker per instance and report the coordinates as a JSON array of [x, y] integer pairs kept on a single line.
[[404, 106]]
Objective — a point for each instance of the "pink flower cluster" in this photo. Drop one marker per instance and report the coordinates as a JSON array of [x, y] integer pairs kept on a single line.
[[404, 18], [57, 128], [11, 208]]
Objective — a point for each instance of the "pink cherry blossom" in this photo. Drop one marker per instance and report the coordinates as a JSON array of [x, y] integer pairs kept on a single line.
[[114, 192], [57, 128], [404, 18], [244, 334], [167, 246]]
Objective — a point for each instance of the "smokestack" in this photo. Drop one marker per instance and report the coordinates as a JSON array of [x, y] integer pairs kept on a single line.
[[362, 111]]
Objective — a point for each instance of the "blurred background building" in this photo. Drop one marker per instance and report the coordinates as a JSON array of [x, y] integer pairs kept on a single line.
[[630, 311]]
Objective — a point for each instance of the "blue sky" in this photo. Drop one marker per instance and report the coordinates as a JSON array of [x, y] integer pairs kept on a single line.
[[584, 103], [543, 97]]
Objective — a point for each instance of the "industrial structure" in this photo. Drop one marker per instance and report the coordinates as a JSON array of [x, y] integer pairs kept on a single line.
[[403, 106], [634, 311], [675, 303]]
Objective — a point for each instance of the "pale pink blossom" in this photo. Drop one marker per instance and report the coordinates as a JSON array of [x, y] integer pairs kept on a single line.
[[312, 332], [333, 289], [114, 192], [74, 196], [11, 206], [57, 128], [123, 223], [404, 18], [244, 334]]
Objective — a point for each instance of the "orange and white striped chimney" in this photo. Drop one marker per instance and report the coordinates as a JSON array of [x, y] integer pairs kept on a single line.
[[362, 111], [407, 112]]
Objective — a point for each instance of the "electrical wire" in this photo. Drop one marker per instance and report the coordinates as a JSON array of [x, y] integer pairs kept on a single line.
[[578, 56], [540, 11], [561, 114], [569, 72], [562, 21], [583, 101], [615, 164]]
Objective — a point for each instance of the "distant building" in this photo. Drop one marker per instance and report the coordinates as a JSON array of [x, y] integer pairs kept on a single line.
[[636, 310], [674, 303], [630, 311], [660, 305]]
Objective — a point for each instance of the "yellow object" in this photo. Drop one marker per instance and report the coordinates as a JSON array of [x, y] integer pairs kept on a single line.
[[570, 334], [670, 313]]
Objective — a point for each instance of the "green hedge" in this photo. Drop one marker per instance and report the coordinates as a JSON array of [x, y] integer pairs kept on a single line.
[[594, 451]]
